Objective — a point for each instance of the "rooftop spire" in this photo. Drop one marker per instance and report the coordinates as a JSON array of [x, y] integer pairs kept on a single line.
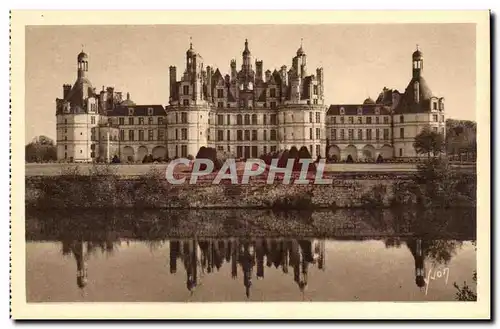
[[190, 42]]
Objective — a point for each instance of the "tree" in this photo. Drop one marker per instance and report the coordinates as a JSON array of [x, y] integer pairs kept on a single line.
[[429, 142], [41, 149], [460, 137]]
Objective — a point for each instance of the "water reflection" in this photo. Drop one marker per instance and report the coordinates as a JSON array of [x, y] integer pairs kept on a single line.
[[248, 258], [195, 254]]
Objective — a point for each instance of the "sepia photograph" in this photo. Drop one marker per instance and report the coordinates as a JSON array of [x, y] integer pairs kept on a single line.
[[279, 161]]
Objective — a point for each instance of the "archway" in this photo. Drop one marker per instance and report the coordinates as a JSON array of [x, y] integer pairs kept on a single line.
[[369, 152], [334, 153], [386, 151], [127, 154], [351, 153], [159, 153], [142, 151]]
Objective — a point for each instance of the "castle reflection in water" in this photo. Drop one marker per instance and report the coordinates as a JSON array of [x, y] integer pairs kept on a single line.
[[248, 258]]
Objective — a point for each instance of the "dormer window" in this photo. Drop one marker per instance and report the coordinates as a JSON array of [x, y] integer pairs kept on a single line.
[[130, 111], [360, 111], [150, 111], [342, 111], [377, 111]]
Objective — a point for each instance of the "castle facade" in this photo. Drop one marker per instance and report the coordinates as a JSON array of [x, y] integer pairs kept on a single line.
[[246, 113]]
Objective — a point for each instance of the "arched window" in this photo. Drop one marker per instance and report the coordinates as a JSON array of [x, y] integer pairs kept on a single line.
[[239, 119]]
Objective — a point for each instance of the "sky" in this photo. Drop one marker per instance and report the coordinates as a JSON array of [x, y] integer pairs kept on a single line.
[[358, 60]]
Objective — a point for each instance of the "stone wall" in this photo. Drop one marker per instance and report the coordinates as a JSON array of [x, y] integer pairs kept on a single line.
[[54, 192]]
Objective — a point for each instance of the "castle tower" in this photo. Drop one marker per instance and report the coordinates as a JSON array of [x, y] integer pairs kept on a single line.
[[78, 117], [247, 58]]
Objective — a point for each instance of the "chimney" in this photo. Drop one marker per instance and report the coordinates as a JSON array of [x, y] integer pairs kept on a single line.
[[258, 70], [66, 90], [173, 82]]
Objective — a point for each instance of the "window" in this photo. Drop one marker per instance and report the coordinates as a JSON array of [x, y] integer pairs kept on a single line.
[[150, 120], [318, 133], [318, 117], [333, 134], [65, 138], [310, 117], [121, 121], [402, 132], [141, 121], [401, 118], [386, 134], [130, 135], [265, 135], [184, 151], [377, 120], [377, 134], [184, 117], [65, 147], [360, 120], [264, 149], [273, 119], [369, 134], [160, 120], [351, 133], [150, 111], [369, 120], [220, 104], [442, 130], [150, 135], [239, 135], [141, 135], [65, 121], [273, 105], [351, 120], [122, 135], [185, 102], [442, 118], [360, 134], [247, 119], [264, 119], [254, 119], [434, 106], [184, 133], [342, 134], [272, 93], [400, 152], [228, 135], [435, 117], [220, 135], [220, 119], [334, 120], [386, 120], [342, 111], [318, 150], [273, 134], [254, 135], [342, 120], [130, 111], [92, 120], [239, 119], [315, 89], [228, 119], [310, 149], [315, 102], [247, 135], [273, 148], [310, 133], [435, 129], [176, 134], [220, 93], [176, 117], [185, 90], [161, 134]]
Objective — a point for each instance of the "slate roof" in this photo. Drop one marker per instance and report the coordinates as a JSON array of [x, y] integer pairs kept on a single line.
[[407, 103], [139, 110], [352, 109]]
